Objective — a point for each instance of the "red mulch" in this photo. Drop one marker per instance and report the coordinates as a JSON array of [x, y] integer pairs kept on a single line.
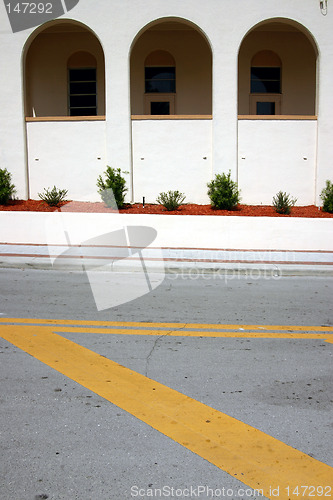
[[187, 209]]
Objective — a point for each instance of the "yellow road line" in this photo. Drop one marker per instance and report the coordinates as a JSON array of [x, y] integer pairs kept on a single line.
[[143, 324], [178, 329], [189, 333], [255, 458]]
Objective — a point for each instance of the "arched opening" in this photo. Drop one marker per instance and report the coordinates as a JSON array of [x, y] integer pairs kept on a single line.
[[171, 70], [64, 72], [277, 70]]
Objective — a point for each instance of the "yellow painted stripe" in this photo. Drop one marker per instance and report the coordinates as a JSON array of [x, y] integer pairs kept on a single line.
[[167, 325], [93, 323], [255, 458], [189, 333]]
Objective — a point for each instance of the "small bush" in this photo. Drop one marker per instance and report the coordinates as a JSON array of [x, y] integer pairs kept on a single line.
[[171, 200], [53, 196], [283, 203], [113, 188], [7, 189], [223, 192], [327, 197]]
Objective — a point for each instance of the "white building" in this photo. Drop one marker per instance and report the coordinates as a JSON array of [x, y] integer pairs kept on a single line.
[[172, 92]]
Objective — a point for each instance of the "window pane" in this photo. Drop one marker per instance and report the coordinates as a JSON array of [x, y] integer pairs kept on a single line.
[[81, 101], [160, 79], [265, 73], [160, 73], [83, 112], [82, 92], [265, 108], [82, 88], [82, 75], [265, 80], [164, 86], [159, 108], [265, 87]]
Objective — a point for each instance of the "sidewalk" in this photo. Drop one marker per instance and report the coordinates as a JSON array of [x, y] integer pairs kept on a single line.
[[171, 260]]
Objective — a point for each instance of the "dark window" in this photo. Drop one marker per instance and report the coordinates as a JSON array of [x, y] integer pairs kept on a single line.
[[160, 108], [82, 92], [265, 80], [265, 108], [160, 79]]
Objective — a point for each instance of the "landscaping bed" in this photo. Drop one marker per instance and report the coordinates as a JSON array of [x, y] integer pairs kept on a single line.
[[310, 211]]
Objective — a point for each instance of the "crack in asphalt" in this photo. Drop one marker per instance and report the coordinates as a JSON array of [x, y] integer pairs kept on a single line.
[[148, 358]]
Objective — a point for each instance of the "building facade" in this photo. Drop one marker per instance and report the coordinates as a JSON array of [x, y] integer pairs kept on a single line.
[[171, 93]]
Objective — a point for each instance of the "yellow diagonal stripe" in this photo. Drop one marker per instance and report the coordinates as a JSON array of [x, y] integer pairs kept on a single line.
[[257, 459]]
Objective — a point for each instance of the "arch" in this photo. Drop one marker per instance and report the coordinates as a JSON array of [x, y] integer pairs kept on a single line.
[[171, 19], [82, 59], [287, 54], [266, 58], [172, 43], [48, 54], [160, 58]]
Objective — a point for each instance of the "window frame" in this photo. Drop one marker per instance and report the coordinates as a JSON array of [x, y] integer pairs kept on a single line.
[[69, 94], [159, 97], [255, 98]]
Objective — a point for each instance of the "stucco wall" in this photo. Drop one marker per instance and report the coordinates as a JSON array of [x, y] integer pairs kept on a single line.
[[69, 155], [172, 155], [273, 155], [277, 155], [173, 231]]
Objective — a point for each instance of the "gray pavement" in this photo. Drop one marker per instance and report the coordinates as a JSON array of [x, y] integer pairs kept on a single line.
[[62, 441]]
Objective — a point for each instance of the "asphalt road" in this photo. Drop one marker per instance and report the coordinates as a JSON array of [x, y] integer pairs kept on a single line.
[[62, 440], [190, 298]]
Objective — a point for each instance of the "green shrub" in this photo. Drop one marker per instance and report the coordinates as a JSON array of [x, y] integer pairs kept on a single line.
[[7, 189], [53, 196], [327, 197], [223, 192], [113, 189], [283, 203], [171, 200]]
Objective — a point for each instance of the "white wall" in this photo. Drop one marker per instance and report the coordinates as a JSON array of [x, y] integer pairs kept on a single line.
[[69, 155], [116, 27], [172, 155], [277, 155], [173, 231], [273, 155]]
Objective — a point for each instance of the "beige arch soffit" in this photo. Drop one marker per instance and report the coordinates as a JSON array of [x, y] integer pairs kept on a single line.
[[266, 58]]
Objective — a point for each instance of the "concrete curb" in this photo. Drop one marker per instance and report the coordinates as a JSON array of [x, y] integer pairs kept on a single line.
[[171, 267]]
